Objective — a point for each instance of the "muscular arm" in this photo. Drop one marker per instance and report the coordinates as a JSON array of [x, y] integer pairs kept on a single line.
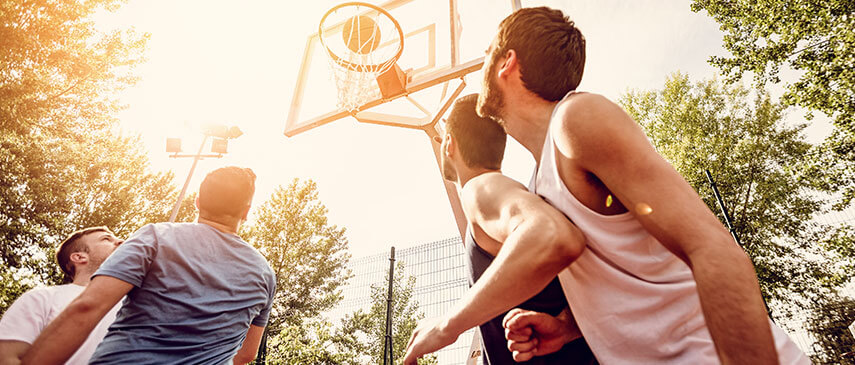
[[64, 335], [538, 242], [639, 177], [11, 351], [249, 349]]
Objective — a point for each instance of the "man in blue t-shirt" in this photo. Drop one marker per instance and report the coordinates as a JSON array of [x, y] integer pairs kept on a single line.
[[196, 292]]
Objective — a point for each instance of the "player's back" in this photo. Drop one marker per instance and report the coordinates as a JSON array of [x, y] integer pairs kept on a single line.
[[197, 290]]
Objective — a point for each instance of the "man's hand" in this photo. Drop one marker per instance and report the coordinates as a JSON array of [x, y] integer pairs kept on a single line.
[[12, 351], [429, 336], [531, 334]]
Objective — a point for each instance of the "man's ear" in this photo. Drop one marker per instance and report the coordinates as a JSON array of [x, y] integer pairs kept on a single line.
[[509, 64], [246, 212], [79, 258], [448, 150]]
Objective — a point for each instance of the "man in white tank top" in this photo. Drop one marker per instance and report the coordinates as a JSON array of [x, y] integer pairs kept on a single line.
[[660, 280]]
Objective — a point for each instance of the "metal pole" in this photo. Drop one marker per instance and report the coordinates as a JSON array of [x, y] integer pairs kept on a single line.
[[261, 356], [455, 35], [722, 207], [187, 182], [435, 133], [388, 340]]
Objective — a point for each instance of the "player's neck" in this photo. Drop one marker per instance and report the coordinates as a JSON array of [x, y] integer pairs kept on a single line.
[[528, 123], [82, 276], [231, 227], [466, 174]]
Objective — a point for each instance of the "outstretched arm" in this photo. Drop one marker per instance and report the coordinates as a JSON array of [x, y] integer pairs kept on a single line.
[[64, 335], [538, 242], [672, 212]]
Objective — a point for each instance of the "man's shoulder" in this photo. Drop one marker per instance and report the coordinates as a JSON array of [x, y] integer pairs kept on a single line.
[[491, 183], [586, 124], [488, 190], [584, 109], [42, 297], [49, 291], [251, 250]]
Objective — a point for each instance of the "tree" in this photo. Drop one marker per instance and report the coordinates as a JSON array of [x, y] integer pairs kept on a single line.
[[363, 334], [750, 153], [313, 343], [63, 166], [829, 323], [814, 38], [308, 255]]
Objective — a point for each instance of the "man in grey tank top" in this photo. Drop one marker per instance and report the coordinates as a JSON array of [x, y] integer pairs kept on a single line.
[[607, 174]]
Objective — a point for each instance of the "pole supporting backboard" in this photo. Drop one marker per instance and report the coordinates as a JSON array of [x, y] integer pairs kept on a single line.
[[418, 84], [453, 31]]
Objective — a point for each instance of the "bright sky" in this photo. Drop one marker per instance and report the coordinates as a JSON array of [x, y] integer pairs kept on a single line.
[[236, 62]]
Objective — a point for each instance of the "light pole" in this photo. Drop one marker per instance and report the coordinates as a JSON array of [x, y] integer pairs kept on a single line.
[[219, 147]]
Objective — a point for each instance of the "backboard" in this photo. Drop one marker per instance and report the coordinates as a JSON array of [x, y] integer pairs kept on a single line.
[[443, 42]]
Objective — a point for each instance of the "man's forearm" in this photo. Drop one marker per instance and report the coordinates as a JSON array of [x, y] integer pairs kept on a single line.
[[525, 265], [733, 307], [64, 335]]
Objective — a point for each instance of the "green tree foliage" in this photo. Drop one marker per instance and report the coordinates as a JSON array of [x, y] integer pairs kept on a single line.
[[363, 334], [750, 153], [62, 164], [829, 323], [310, 344], [815, 38], [308, 255]]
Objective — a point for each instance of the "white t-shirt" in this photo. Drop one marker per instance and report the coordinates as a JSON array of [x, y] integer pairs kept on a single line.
[[34, 310]]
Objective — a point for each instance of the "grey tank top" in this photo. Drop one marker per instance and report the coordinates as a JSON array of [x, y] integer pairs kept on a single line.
[[550, 300]]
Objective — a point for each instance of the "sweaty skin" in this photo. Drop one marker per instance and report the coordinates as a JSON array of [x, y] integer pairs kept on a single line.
[[602, 152], [503, 213]]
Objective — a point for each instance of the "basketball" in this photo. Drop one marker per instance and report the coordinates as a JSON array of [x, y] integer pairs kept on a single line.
[[361, 34]]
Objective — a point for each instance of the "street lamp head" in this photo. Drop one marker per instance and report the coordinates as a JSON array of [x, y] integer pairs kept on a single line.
[[234, 132], [221, 131], [173, 145], [219, 145]]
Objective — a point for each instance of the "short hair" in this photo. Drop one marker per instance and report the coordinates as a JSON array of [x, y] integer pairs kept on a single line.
[[72, 244], [481, 140], [226, 192], [549, 47]]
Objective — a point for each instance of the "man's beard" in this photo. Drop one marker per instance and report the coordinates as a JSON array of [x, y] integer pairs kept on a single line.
[[448, 172], [490, 101]]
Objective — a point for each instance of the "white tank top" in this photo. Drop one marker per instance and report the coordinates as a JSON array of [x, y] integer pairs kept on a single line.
[[635, 301]]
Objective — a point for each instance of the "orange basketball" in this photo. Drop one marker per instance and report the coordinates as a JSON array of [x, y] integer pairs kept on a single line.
[[361, 34]]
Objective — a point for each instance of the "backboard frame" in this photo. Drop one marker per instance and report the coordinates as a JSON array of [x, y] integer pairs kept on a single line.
[[417, 79]]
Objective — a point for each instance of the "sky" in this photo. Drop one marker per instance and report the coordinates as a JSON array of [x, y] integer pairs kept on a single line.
[[236, 63]]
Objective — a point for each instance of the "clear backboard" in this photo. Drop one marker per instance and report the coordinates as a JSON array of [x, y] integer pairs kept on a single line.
[[443, 42]]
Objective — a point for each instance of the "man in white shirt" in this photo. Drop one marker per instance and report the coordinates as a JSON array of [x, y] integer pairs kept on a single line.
[[78, 256]]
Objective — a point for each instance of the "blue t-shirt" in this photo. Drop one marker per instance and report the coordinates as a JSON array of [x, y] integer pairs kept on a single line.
[[196, 292]]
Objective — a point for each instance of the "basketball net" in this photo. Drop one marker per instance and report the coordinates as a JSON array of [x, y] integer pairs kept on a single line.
[[356, 87], [357, 60]]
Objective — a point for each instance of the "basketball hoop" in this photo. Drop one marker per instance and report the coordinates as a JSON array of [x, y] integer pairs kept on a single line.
[[363, 42]]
